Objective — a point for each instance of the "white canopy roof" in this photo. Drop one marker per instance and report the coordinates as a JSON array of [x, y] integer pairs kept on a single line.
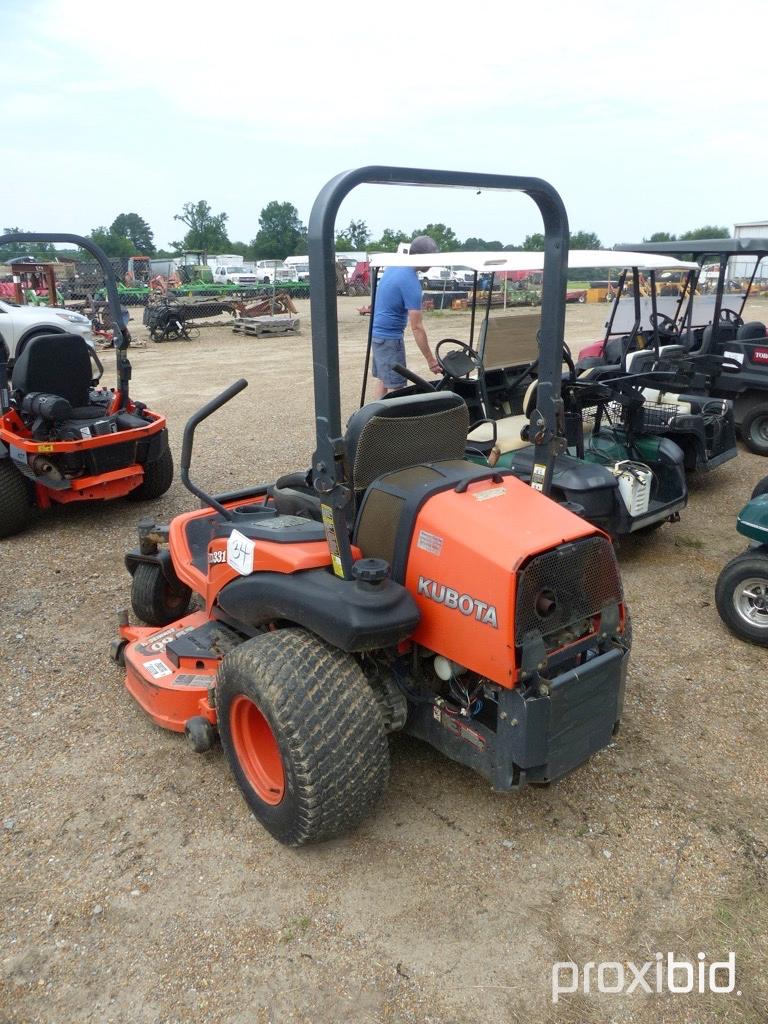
[[495, 262]]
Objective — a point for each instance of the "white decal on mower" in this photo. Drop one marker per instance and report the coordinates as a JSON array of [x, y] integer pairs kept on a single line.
[[465, 603]]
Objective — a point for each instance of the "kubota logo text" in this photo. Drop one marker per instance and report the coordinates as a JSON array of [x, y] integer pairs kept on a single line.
[[465, 603]]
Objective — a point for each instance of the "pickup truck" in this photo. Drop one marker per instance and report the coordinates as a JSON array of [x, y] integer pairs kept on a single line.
[[275, 271], [233, 275]]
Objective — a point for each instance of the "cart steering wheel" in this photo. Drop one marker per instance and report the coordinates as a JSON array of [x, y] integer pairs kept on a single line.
[[665, 323], [460, 361], [729, 316]]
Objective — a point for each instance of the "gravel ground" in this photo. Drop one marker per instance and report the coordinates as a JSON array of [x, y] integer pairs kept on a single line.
[[137, 889]]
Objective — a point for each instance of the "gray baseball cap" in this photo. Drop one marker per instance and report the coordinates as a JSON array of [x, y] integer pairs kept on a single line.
[[423, 243]]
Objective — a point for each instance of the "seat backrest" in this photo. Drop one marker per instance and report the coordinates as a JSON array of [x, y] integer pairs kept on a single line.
[[641, 361], [509, 340], [717, 333], [751, 331], [396, 433], [56, 364]]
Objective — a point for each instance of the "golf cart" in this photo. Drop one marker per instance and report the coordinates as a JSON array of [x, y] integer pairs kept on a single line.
[[613, 463], [741, 593], [730, 354], [393, 586], [64, 437], [638, 340]]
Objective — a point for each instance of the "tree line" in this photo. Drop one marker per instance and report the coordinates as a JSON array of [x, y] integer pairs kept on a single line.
[[281, 233]]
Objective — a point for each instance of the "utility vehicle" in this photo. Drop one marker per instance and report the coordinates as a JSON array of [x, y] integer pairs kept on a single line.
[[614, 462], [393, 586], [741, 593], [63, 436], [731, 353]]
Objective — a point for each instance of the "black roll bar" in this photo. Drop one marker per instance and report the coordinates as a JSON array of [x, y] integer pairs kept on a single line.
[[328, 470], [120, 332]]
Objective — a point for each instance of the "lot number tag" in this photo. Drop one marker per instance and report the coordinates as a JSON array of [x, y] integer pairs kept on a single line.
[[240, 553]]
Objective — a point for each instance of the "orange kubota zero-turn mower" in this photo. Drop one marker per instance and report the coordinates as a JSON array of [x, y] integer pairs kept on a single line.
[[393, 586], [65, 438]]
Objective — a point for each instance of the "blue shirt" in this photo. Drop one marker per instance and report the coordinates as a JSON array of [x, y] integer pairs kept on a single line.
[[397, 293]]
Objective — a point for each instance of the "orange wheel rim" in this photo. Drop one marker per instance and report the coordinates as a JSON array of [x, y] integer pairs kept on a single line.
[[257, 750]]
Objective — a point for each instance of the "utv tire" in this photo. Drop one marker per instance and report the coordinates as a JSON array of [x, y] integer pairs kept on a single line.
[[754, 430], [761, 487], [741, 596], [15, 505], [303, 734], [158, 477], [154, 600]]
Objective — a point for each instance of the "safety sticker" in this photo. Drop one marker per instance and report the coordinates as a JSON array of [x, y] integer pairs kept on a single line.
[[240, 553], [429, 542], [333, 540], [157, 669], [45, 447], [738, 356], [18, 455], [186, 679], [458, 728], [489, 492], [538, 476], [85, 433]]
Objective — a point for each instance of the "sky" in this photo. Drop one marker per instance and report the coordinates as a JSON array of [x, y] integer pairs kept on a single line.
[[626, 109]]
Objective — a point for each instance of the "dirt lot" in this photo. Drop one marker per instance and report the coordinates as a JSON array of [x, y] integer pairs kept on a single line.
[[137, 889]]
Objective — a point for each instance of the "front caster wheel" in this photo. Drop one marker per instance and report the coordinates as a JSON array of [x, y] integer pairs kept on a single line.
[[154, 600], [200, 734]]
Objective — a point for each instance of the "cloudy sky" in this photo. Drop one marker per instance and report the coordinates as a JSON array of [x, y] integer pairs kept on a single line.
[[643, 122]]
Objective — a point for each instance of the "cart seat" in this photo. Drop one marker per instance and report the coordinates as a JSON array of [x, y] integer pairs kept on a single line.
[[509, 428]]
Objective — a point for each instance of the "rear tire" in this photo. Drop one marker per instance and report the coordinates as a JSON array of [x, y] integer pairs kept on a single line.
[[761, 487], [741, 596], [15, 504], [158, 477], [154, 600], [754, 430], [303, 735]]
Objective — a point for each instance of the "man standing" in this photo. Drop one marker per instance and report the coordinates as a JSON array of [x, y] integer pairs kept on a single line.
[[398, 302]]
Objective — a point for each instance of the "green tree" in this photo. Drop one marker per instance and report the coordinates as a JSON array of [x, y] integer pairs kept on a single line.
[[355, 237], [207, 231], [280, 234], [135, 228], [389, 241], [584, 240], [661, 236], [708, 231], [534, 242], [42, 250], [113, 245], [480, 245], [444, 236]]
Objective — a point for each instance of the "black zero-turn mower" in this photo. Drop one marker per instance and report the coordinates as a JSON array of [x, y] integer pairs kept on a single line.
[[64, 437], [728, 355], [393, 586]]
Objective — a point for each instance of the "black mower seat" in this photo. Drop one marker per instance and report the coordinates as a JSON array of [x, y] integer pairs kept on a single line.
[[56, 364], [396, 433]]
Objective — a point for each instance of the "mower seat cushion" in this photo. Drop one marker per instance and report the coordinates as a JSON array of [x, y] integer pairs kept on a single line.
[[508, 437], [56, 364], [411, 430]]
